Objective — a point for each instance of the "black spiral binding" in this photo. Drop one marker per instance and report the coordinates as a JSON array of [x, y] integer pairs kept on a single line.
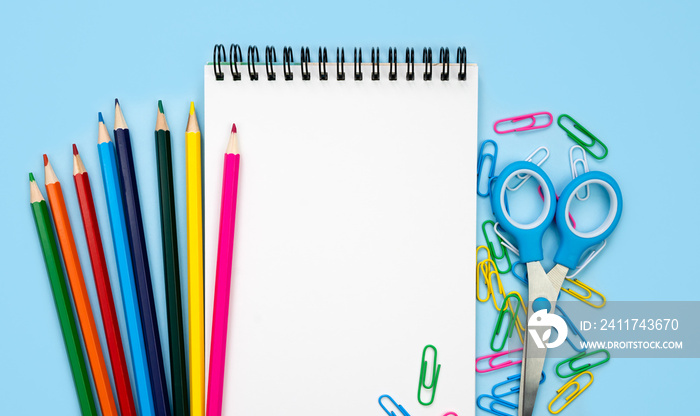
[[253, 57], [218, 50], [462, 61], [393, 64], [428, 61], [410, 65], [270, 58], [305, 59], [355, 66], [236, 56], [322, 61], [287, 59], [340, 59], [375, 66], [445, 61]]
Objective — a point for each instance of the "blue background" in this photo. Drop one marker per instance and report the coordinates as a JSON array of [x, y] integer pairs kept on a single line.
[[628, 70]]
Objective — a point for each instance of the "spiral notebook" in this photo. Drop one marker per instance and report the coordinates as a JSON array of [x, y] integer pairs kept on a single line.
[[355, 231]]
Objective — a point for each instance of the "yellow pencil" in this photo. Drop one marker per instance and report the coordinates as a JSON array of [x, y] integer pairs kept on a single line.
[[195, 264]]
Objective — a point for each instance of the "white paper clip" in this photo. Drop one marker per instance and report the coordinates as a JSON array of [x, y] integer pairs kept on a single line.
[[574, 172], [504, 241], [590, 257], [524, 176]]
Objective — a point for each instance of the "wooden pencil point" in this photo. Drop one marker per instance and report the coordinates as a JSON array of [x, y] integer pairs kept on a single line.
[[102, 133], [192, 124], [49, 174], [119, 122], [34, 192], [161, 123], [78, 166], [232, 143]]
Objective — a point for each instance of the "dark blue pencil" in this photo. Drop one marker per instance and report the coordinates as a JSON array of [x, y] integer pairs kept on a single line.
[[139, 255]]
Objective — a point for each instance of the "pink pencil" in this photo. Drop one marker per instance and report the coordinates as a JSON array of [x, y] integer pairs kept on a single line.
[[227, 223]]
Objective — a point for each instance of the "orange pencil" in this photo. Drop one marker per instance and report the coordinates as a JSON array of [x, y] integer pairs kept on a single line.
[[80, 296]]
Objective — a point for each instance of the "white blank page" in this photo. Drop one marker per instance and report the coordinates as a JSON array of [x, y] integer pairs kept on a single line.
[[355, 240]]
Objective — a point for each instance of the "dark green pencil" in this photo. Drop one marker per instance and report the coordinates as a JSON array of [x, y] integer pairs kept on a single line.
[[178, 368], [60, 296]]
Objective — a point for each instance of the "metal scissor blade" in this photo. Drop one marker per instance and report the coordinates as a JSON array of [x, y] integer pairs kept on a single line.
[[534, 350]]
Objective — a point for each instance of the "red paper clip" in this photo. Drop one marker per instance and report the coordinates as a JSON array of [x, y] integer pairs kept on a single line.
[[530, 126]]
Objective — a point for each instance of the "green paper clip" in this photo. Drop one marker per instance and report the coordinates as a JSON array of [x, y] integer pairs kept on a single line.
[[586, 146], [499, 323], [492, 249], [423, 373], [587, 366]]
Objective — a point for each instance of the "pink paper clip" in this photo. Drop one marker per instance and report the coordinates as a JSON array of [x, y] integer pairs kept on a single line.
[[450, 414], [571, 217], [530, 126], [497, 366]]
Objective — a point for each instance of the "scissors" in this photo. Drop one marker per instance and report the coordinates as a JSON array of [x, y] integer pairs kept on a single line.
[[544, 287]]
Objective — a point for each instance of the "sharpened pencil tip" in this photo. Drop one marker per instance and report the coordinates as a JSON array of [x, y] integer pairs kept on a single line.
[[233, 128], [31, 177], [99, 117], [160, 107], [46, 159], [116, 102], [75, 149], [191, 107]]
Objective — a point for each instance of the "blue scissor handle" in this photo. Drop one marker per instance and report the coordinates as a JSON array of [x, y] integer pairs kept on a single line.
[[527, 236], [572, 243]]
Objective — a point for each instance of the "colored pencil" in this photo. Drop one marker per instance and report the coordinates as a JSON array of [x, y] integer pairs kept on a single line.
[[60, 296], [104, 288], [80, 295], [110, 179], [222, 286], [139, 257], [195, 263], [178, 365]]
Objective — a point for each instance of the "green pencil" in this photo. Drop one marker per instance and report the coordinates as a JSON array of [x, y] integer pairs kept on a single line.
[[178, 366], [60, 296]]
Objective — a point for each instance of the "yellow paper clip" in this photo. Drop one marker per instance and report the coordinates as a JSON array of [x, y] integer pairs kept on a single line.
[[520, 329], [495, 276], [488, 253], [584, 297], [484, 269], [570, 398]]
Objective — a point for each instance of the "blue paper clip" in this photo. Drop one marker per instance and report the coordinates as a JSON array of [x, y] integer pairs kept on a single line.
[[572, 330], [513, 390], [480, 166], [495, 401], [391, 412]]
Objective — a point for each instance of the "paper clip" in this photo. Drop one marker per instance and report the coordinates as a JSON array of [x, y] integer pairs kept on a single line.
[[586, 146], [581, 297], [513, 390], [432, 385], [521, 306], [486, 249], [571, 217], [480, 166], [505, 242], [530, 126], [591, 256], [494, 367], [572, 330], [570, 398], [585, 367], [391, 412], [505, 309], [521, 277], [574, 172], [495, 401], [492, 249], [484, 268], [494, 276], [524, 176], [450, 414]]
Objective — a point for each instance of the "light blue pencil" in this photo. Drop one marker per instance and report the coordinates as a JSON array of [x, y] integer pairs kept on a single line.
[[110, 177]]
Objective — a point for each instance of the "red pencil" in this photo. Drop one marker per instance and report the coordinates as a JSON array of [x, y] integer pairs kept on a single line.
[[104, 289]]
